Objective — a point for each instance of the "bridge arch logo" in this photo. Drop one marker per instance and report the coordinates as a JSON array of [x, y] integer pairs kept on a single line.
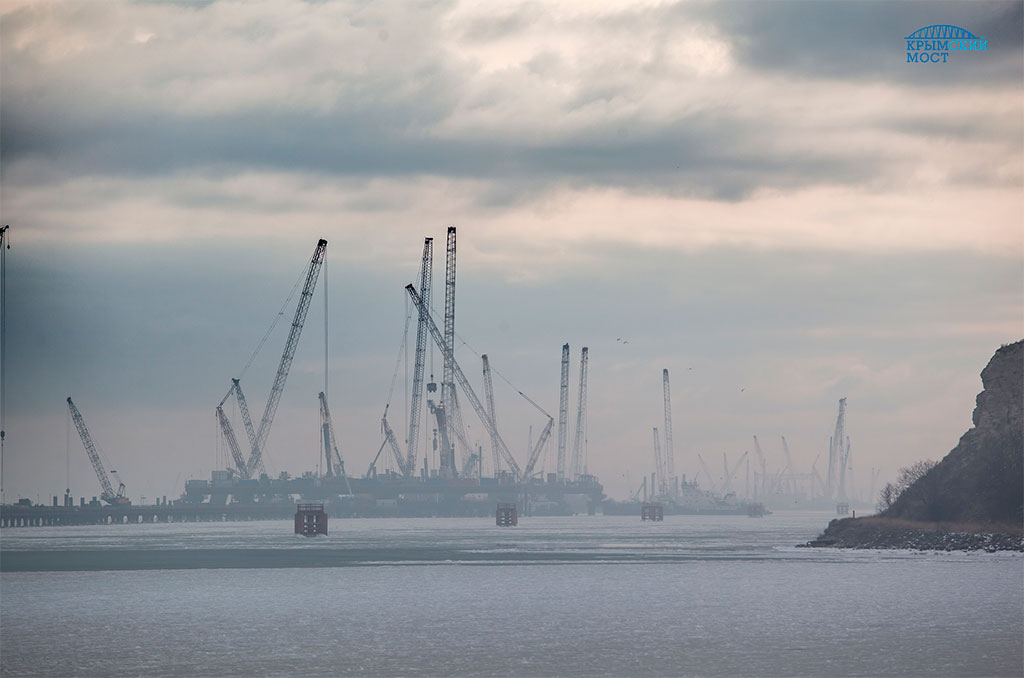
[[934, 44]]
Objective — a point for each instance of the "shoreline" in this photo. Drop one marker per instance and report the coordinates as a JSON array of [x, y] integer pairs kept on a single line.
[[887, 533]]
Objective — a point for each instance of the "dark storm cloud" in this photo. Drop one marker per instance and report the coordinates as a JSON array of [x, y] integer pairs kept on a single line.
[[703, 155], [403, 119], [865, 40]]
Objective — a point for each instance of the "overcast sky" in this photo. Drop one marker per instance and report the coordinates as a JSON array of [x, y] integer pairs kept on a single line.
[[762, 197]]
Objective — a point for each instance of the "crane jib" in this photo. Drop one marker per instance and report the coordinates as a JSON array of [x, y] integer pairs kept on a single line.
[[255, 457], [460, 377]]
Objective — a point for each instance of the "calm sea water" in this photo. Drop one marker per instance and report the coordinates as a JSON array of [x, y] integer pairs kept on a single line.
[[701, 596]]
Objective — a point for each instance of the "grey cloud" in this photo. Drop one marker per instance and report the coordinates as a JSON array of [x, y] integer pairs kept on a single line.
[[865, 40], [393, 120]]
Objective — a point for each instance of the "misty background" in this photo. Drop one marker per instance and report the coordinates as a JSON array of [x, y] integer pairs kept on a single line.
[[762, 198]]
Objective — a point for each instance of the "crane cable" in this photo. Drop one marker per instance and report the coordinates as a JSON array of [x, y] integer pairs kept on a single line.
[[277, 319], [503, 377]]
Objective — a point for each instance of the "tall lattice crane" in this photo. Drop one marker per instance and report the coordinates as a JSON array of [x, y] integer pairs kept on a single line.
[[535, 454], [255, 458], [331, 443], [764, 469], [108, 495], [659, 465], [835, 461], [467, 388], [670, 461], [563, 412], [448, 350], [489, 395], [258, 438], [579, 442], [426, 277]]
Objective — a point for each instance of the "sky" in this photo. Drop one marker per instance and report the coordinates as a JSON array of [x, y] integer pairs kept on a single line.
[[764, 198]]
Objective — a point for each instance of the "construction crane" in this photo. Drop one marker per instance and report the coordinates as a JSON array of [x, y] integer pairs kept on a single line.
[[535, 454], [578, 443], [816, 475], [460, 377], [835, 461], [331, 443], [229, 435], [442, 426], [659, 465], [780, 479], [731, 473], [489, 395], [764, 468], [448, 350], [426, 277], [256, 456], [707, 472], [108, 495], [563, 412], [243, 407], [670, 462], [258, 438], [389, 438]]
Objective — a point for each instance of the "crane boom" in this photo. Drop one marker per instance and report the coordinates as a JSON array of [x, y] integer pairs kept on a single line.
[[426, 275], [229, 435], [466, 387], [489, 395], [243, 407], [108, 494], [835, 451], [670, 461], [256, 456], [563, 411], [389, 437], [578, 450], [659, 464], [535, 454]]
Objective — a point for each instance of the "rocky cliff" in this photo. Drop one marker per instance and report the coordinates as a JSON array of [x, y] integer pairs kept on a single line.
[[977, 488]]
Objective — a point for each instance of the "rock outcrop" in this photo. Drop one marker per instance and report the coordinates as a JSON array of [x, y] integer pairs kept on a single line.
[[977, 489]]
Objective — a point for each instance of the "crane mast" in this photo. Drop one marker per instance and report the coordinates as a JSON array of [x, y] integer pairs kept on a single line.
[[331, 442], [578, 449], [764, 468], [108, 495], [489, 395], [730, 474], [835, 451], [670, 461], [426, 276], [448, 350], [256, 456], [460, 377], [535, 454], [563, 412], [659, 465]]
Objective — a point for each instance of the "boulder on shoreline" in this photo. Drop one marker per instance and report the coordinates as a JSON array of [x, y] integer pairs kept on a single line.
[[885, 533]]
